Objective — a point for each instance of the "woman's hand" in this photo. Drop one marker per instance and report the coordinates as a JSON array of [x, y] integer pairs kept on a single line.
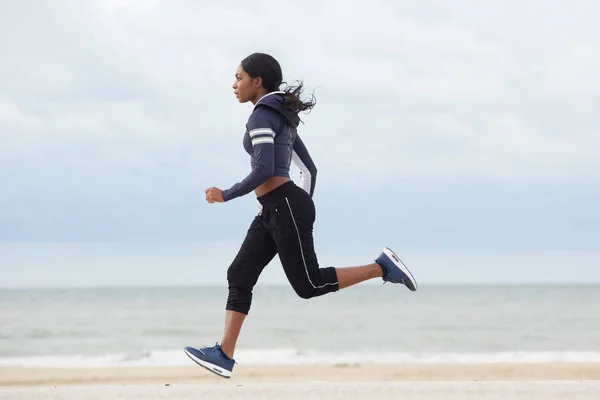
[[214, 195]]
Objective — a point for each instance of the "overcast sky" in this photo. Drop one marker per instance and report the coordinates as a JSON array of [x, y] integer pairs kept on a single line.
[[463, 135]]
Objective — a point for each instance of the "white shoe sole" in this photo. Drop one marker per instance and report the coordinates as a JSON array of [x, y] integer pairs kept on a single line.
[[396, 260], [209, 366]]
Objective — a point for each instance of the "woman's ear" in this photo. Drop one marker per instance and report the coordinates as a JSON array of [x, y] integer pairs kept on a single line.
[[258, 82]]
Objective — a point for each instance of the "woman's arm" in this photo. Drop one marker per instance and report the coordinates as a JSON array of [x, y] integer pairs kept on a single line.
[[260, 129]]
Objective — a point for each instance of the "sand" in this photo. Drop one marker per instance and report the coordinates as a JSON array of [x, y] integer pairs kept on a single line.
[[515, 390], [364, 381]]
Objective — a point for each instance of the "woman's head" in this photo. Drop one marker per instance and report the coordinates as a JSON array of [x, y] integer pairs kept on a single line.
[[259, 74]]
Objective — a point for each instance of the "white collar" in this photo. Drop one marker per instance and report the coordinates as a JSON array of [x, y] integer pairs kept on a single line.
[[268, 94]]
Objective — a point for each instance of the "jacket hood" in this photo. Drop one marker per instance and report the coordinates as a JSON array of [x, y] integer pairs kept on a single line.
[[274, 100]]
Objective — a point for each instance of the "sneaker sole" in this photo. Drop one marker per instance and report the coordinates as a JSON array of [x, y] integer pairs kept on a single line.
[[398, 263], [215, 369]]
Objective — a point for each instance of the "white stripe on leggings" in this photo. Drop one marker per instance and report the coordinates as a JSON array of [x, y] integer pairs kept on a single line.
[[302, 251]]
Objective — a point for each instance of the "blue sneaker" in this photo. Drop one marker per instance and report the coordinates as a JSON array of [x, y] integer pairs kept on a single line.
[[394, 270], [212, 358]]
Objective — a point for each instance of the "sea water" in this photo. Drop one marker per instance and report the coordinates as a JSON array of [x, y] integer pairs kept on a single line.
[[367, 322]]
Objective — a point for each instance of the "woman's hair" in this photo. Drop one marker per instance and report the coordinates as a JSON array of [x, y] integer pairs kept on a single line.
[[267, 67]]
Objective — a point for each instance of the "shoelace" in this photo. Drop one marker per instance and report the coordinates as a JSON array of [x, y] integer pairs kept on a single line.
[[214, 349]]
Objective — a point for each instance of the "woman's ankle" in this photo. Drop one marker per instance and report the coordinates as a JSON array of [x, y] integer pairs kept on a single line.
[[227, 349], [228, 353]]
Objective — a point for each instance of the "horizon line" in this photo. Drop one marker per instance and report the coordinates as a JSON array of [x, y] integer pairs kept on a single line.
[[283, 285]]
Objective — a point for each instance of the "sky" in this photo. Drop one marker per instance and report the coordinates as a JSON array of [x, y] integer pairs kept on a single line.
[[462, 136]]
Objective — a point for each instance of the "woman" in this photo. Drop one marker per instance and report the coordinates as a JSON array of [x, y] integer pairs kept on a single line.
[[284, 223]]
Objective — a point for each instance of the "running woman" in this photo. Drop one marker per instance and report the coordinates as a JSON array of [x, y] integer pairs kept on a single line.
[[284, 223]]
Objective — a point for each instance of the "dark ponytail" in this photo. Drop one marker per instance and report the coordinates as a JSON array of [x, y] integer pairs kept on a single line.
[[267, 67], [294, 102]]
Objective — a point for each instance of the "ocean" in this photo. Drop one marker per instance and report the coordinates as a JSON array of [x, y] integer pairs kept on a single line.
[[368, 322]]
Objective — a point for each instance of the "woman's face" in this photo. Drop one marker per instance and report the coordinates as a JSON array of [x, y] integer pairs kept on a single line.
[[245, 87]]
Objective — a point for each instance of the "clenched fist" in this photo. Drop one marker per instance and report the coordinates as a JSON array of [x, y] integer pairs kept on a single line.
[[214, 195]]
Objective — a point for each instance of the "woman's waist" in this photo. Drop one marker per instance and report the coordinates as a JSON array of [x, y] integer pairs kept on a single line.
[[274, 189]]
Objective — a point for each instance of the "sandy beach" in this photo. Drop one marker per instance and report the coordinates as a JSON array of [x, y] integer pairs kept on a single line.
[[349, 381], [30, 376], [514, 390]]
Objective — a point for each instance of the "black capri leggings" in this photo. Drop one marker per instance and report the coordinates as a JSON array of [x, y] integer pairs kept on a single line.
[[284, 227]]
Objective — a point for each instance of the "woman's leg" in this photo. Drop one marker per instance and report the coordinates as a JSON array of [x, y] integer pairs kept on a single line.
[[257, 250], [295, 217], [348, 276], [233, 326]]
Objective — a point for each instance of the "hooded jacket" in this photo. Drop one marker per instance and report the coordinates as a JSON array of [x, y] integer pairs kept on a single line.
[[271, 139]]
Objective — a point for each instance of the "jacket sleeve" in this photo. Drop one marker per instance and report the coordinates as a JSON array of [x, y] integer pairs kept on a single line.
[[260, 128], [308, 171]]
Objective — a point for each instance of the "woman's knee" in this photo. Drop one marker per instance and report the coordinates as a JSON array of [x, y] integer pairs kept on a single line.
[[304, 292], [308, 285]]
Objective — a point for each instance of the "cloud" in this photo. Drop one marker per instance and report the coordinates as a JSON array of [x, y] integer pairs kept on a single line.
[[116, 115], [408, 90]]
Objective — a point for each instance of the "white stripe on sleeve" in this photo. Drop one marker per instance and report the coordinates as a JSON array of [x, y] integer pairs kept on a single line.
[[261, 131], [262, 139]]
